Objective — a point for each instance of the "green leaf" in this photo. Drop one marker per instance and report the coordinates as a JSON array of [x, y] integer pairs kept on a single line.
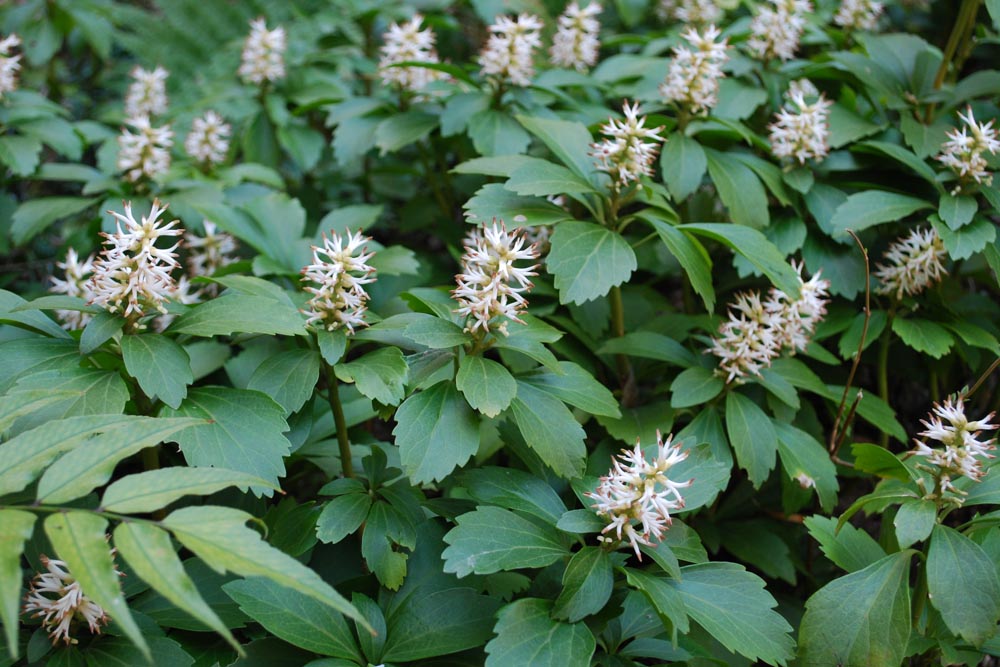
[[527, 635], [494, 201], [734, 607], [847, 126], [332, 345], [872, 630], [849, 548], [80, 539], [586, 585], [752, 435], [379, 375], [385, 531], [20, 153], [958, 211], [436, 431], [486, 385], [963, 585], [968, 240], [550, 429], [220, 537], [649, 345], [801, 454], [694, 386], [516, 490], [581, 522], [99, 330], [35, 215], [342, 516], [151, 555], [739, 189], [245, 433], [872, 207], [568, 140], [914, 521], [297, 618], [690, 254], [80, 471], [160, 366], [91, 391], [154, 489], [435, 332], [11, 306], [904, 157], [16, 528], [288, 377], [665, 598], [439, 623], [878, 461], [923, 335], [756, 248], [541, 179], [492, 539], [496, 133], [403, 129], [587, 260], [303, 144], [683, 165], [576, 387], [244, 313], [501, 165]]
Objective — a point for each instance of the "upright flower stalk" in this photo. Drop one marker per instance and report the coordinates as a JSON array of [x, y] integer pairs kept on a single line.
[[263, 58], [337, 275], [9, 64], [692, 81], [576, 42], [509, 54]]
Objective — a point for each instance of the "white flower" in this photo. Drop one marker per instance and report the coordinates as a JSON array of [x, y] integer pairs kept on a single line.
[[132, 275], [76, 283], [800, 129], [795, 321], [145, 153], [690, 11], [56, 598], [339, 300], [263, 56], [775, 31], [576, 42], [637, 490], [509, 53], [801, 87], [210, 252], [693, 78], [858, 14], [9, 65], [486, 287], [749, 339], [147, 94], [208, 140], [963, 449], [407, 42], [627, 155], [963, 151], [915, 263]]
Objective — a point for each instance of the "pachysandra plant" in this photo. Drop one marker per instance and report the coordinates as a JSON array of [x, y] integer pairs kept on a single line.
[[389, 381]]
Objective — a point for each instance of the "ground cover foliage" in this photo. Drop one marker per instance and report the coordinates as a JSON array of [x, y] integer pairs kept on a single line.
[[455, 333]]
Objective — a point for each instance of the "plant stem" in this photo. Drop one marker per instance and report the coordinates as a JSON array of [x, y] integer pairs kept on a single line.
[[333, 395], [965, 23], [883, 370], [625, 374]]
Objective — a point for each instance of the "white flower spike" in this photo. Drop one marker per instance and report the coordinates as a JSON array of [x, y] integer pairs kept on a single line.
[[576, 44], [263, 58], [509, 54], [631, 148], [963, 449], [776, 30], [693, 78], [963, 151], [407, 42], [146, 153], [338, 273], [916, 261], [147, 94], [208, 140], [800, 130], [55, 597], [9, 64], [75, 283]]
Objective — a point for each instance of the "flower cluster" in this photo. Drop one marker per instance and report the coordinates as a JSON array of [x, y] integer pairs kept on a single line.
[[9, 64], [407, 42], [147, 94], [626, 155], [915, 263], [576, 42], [486, 287], [775, 31], [56, 598], [509, 52], [963, 151], [690, 11], [758, 330], [858, 14], [132, 276], [800, 129], [208, 140], [638, 497], [146, 153], [209, 253], [963, 450], [339, 270], [263, 56], [76, 283], [693, 78]]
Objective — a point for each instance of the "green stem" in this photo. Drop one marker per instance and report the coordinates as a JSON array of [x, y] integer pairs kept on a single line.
[[333, 395], [961, 31]]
